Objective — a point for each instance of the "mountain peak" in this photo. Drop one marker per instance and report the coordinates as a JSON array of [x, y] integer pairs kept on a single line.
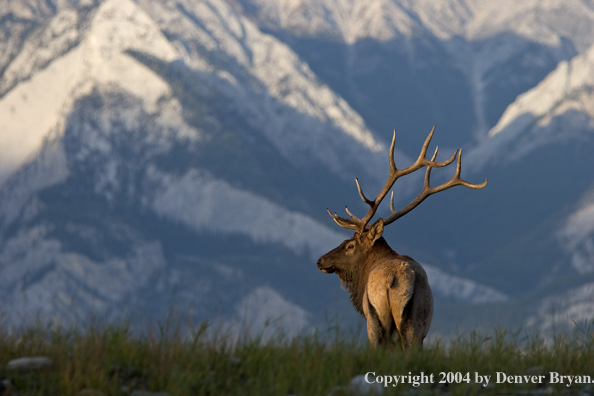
[[352, 20], [72, 65], [568, 86]]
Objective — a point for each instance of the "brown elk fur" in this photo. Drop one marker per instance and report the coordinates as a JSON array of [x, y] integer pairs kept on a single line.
[[389, 289]]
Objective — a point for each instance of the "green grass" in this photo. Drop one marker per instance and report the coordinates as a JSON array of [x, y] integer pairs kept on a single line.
[[114, 360]]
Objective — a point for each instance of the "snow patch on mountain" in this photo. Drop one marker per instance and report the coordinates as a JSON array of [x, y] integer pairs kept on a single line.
[[265, 314], [577, 236], [564, 311], [451, 287], [48, 168], [46, 44], [204, 204], [345, 20], [33, 110], [547, 22], [41, 280]]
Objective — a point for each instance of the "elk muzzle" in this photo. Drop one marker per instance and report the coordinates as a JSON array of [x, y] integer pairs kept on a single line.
[[325, 267]]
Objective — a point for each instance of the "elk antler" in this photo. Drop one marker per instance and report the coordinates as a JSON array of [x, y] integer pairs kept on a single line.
[[359, 225]]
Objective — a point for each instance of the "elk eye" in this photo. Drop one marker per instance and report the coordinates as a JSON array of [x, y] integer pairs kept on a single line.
[[350, 246]]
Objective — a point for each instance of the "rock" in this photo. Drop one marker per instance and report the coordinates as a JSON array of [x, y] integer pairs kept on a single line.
[[359, 386], [29, 363]]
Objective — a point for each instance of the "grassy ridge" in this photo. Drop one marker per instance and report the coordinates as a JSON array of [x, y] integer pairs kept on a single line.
[[114, 361]]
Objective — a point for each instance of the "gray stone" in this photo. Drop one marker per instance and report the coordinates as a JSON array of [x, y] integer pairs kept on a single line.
[[29, 363], [359, 386]]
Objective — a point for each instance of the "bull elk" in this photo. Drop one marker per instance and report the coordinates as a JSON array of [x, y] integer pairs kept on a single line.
[[390, 290]]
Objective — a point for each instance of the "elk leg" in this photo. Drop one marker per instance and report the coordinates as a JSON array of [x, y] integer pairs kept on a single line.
[[408, 336], [380, 324], [416, 317], [377, 332], [400, 297]]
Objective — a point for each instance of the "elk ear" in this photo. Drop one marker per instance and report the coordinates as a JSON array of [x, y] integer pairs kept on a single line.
[[375, 231]]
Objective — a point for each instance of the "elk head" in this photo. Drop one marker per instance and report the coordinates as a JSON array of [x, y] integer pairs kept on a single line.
[[346, 258]]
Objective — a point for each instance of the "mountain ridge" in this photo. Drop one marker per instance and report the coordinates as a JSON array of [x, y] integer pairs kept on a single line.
[[190, 153]]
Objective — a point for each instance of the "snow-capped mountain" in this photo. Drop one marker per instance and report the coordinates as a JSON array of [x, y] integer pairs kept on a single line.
[[101, 109], [383, 20], [159, 155], [452, 50], [103, 56], [558, 110]]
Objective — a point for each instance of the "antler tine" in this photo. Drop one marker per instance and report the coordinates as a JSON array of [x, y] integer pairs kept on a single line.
[[426, 145], [341, 221], [355, 218], [428, 190], [360, 224], [392, 203], [428, 171], [459, 181], [363, 197], [392, 163], [425, 186], [422, 159]]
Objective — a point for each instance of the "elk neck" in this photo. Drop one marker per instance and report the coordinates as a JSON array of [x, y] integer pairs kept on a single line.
[[355, 281]]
